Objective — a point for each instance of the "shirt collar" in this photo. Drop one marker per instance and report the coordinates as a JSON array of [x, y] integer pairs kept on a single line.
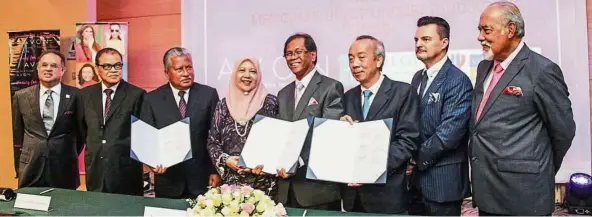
[[513, 55], [306, 80], [433, 71], [374, 88], [114, 87], [56, 89], [176, 91]]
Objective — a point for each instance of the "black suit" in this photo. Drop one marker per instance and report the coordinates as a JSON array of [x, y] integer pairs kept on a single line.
[[400, 102], [518, 143], [48, 160], [109, 167], [189, 178]]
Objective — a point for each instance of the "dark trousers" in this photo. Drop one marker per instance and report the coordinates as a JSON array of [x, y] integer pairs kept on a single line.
[[419, 205], [483, 213], [293, 203]]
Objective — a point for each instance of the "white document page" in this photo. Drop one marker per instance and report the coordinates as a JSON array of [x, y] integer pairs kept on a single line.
[[167, 146]]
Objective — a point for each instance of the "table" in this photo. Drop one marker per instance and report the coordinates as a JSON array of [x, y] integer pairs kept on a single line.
[[83, 203]]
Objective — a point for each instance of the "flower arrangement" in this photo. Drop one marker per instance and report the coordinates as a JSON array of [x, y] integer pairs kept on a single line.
[[233, 200]]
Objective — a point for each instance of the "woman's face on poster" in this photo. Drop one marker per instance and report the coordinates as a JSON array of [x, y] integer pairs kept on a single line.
[[88, 33], [87, 74], [115, 31]]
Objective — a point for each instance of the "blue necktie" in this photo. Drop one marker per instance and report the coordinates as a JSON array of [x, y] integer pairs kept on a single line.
[[366, 105]]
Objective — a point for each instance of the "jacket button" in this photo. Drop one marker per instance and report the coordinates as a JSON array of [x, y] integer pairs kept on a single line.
[[104, 141], [474, 158]]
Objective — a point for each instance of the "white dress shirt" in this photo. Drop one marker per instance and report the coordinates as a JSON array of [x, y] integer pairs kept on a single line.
[[57, 90], [432, 73], [114, 88], [177, 97], [374, 89], [504, 65], [305, 81]]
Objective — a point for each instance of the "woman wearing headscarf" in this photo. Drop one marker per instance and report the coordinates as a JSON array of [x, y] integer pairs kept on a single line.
[[232, 123]]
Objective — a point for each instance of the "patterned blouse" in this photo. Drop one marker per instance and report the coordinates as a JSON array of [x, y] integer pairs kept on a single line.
[[224, 141]]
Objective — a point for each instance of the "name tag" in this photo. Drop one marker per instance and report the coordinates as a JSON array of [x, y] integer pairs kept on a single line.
[[155, 211], [34, 202]]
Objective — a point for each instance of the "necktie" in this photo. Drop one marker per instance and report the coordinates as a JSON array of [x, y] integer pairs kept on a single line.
[[107, 101], [299, 87], [424, 83], [366, 105], [182, 104], [48, 111], [497, 74]]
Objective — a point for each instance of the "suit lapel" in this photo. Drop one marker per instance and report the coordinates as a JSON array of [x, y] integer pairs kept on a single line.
[[34, 98], [193, 100], [481, 76], [357, 103], [509, 74], [289, 100], [415, 82], [97, 101], [380, 99], [64, 103], [437, 82], [120, 95], [310, 90]]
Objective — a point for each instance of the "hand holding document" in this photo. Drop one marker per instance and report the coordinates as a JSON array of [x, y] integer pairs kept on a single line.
[[362, 150], [167, 146], [274, 144]]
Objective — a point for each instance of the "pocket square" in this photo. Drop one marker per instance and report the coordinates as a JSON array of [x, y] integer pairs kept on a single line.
[[513, 90], [68, 112], [313, 101], [433, 97]]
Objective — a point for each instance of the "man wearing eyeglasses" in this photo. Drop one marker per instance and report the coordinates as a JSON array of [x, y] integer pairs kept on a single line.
[[108, 107], [312, 94], [45, 121]]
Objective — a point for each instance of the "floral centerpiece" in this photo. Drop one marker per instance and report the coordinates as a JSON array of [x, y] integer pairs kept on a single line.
[[232, 200]]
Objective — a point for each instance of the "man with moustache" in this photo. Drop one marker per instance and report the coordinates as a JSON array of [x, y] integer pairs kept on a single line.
[[108, 108], [46, 120], [441, 177], [312, 94], [377, 98], [182, 98], [522, 123]]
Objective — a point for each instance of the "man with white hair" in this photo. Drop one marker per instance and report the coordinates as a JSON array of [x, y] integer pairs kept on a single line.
[[522, 124], [377, 98]]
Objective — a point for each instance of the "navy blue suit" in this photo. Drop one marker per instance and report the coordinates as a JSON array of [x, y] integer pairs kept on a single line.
[[442, 172]]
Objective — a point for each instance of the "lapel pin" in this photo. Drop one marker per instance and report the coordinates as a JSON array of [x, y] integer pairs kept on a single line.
[[67, 96]]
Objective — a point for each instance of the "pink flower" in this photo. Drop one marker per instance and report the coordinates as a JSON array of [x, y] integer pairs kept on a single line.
[[247, 190], [248, 207], [280, 210], [225, 188], [233, 188]]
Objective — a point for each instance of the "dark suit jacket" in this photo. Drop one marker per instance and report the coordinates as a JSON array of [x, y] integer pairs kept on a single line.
[[160, 110], [400, 102], [518, 144], [109, 167], [328, 93], [442, 162], [51, 159]]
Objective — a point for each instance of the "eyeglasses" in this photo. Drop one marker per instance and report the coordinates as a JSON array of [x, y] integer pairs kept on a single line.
[[117, 66], [115, 30], [295, 53]]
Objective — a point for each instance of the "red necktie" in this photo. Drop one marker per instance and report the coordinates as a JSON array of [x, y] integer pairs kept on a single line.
[[182, 104], [107, 101], [497, 74]]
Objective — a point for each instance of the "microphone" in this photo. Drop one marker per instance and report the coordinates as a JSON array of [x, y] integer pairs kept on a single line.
[[7, 194]]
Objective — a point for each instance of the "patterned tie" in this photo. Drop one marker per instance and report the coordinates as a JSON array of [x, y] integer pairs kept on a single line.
[[299, 87], [107, 101], [497, 74], [366, 105], [424, 83], [182, 104], [48, 111]]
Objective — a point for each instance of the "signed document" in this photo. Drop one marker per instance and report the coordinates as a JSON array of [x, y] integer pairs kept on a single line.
[[274, 143], [345, 153], [167, 146]]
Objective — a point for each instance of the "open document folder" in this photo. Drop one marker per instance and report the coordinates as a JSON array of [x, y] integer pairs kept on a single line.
[[167, 146], [345, 153], [274, 143]]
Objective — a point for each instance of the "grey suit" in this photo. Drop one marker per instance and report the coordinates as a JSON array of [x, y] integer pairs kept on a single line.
[[328, 93], [518, 143], [48, 160]]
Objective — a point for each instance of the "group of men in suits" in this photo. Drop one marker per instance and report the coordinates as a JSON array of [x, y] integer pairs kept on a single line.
[[507, 127]]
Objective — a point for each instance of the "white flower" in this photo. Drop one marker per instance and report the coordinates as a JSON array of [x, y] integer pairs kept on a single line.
[[209, 203]]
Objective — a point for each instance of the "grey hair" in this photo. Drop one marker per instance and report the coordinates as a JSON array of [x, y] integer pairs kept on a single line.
[[379, 48], [174, 52], [511, 14]]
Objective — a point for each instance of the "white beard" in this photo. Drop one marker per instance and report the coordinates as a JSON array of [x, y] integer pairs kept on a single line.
[[488, 55]]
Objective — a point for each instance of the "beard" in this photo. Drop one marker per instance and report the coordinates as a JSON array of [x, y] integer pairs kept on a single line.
[[487, 55]]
